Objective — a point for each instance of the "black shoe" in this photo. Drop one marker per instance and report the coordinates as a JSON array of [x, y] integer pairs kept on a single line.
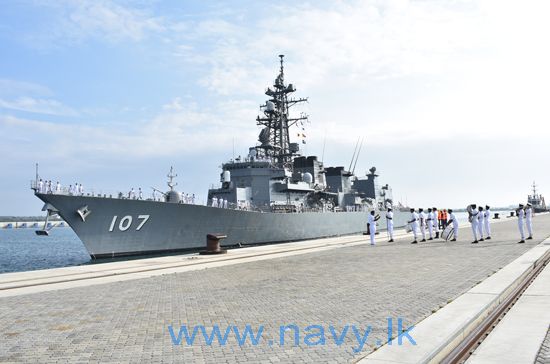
[[530, 238], [453, 239], [474, 242], [390, 241], [437, 235], [481, 239], [488, 238], [414, 242], [521, 242], [423, 240], [430, 239]]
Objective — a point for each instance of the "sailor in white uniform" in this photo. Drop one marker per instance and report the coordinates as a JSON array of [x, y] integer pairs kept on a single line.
[[480, 222], [371, 222], [422, 217], [389, 224], [140, 194], [214, 202], [529, 220], [452, 218], [224, 203], [193, 199], [435, 222], [414, 225], [220, 203], [521, 216], [473, 220], [487, 222], [430, 222], [40, 186]]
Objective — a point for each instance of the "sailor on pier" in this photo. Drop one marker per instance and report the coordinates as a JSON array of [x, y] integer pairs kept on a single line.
[[414, 225], [521, 216], [422, 217], [529, 220], [430, 222], [487, 222], [435, 213], [480, 222], [452, 218], [371, 223], [472, 216], [389, 224]]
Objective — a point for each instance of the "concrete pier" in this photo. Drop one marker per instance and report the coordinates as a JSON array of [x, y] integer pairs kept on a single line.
[[133, 311]]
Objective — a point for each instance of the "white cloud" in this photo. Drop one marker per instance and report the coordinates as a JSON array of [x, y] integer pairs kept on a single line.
[[39, 106]]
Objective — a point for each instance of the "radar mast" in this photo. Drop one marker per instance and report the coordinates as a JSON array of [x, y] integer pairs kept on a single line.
[[276, 120]]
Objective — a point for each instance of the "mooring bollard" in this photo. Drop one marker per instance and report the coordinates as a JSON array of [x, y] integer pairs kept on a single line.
[[496, 216], [213, 244], [511, 214]]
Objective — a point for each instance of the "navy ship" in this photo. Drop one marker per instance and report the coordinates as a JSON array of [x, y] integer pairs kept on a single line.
[[274, 194], [537, 200]]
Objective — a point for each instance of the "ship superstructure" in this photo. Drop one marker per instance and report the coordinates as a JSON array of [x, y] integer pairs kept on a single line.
[[537, 200]]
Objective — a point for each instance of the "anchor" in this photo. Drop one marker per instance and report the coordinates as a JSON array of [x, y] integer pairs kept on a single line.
[[51, 211]]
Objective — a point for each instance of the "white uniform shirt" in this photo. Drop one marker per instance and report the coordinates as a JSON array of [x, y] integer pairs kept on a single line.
[[521, 215], [487, 214], [371, 221], [431, 217], [389, 218], [422, 218], [452, 218], [480, 217], [414, 218]]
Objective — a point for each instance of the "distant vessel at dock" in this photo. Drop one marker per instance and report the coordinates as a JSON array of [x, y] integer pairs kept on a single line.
[[274, 194], [537, 200]]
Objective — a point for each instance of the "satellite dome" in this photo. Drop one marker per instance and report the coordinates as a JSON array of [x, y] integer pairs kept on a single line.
[[307, 177]]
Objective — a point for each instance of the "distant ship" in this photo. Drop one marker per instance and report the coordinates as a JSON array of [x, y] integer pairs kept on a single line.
[[274, 194], [537, 200]]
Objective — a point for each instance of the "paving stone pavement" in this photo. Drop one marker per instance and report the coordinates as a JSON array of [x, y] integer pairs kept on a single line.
[[543, 357], [127, 322]]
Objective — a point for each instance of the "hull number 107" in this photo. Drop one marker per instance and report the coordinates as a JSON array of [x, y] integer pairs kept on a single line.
[[125, 222]]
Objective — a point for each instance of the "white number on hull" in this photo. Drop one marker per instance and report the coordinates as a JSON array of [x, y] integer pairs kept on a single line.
[[126, 222]]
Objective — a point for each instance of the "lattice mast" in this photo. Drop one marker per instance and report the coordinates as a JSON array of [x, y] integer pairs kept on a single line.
[[275, 137]]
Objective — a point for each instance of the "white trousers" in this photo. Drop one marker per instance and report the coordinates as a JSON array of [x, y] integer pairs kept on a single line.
[[423, 231], [372, 228], [487, 227], [480, 228], [520, 226], [414, 227], [431, 228], [390, 229], [455, 228], [474, 228], [529, 224]]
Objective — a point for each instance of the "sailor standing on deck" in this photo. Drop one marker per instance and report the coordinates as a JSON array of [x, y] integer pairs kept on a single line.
[[521, 215], [414, 224], [371, 225], [472, 212], [480, 222], [389, 224], [430, 221], [140, 194], [57, 188], [422, 217], [40, 186], [529, 220], [214, 202], [487, 223]]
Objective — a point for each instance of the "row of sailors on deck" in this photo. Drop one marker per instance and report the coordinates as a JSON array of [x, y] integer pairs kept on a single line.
[[219, 202], [48, 187]]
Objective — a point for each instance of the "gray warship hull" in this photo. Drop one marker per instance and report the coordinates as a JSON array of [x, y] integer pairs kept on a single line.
[[122, 227]]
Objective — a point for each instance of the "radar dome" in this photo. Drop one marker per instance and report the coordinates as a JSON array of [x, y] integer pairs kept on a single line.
[[307, 177], [173, 197]]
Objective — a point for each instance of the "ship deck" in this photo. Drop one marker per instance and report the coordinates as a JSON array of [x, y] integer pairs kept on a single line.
[[121, 311]]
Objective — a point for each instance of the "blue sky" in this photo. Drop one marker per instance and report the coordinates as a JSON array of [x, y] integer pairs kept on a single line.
[[451, 96]]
